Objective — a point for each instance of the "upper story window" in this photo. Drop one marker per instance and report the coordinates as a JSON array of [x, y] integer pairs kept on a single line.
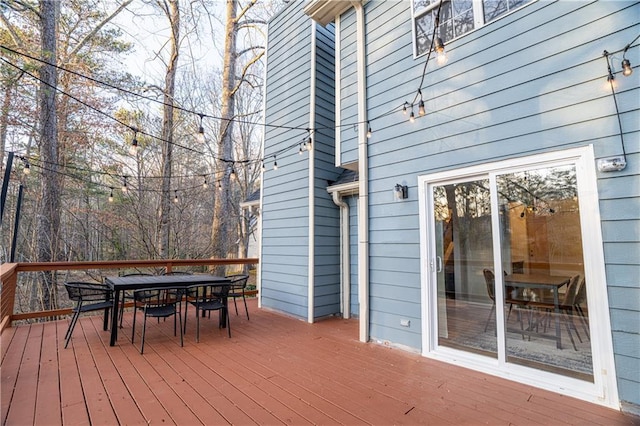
[[456, 18]]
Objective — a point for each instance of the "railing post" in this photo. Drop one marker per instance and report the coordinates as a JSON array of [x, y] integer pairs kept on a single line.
[[9, 279]]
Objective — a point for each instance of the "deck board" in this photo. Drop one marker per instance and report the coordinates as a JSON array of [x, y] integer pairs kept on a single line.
[[273, 370]]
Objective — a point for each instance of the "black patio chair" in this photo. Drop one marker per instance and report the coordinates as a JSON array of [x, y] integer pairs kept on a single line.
[[128, 295], [157, 303], [207, 298], [88, 297], [238, 286]]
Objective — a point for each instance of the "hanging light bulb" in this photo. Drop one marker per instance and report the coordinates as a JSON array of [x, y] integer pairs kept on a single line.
[[200, 135], [309, 141], [220, 185], [175, 198], [369, 132], [275, 163], [27, 167], [412, 117], [111, 196], [626, 67], [262, 166], [441, 56], [124, 184], [133, 148], [404, 107], [421, 110], [205, 185], [232, 173], [300, 148]]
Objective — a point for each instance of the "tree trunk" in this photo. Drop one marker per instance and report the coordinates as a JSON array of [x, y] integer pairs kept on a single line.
[[223, 217], [173, 14], [49, 218]]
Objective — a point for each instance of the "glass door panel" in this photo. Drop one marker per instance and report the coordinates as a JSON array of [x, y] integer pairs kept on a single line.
[[464, 256], [545, 292]]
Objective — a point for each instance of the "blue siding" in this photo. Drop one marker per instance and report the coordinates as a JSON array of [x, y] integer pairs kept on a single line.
[[285, 204], [286, 235], [538, 84]]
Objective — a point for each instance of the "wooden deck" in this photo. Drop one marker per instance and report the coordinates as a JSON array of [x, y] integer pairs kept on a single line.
[[274, 370]]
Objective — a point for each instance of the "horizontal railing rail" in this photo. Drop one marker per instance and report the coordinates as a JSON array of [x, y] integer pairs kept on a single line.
[[9, 273]]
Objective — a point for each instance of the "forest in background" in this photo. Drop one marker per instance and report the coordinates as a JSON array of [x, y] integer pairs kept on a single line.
[[124, 165]]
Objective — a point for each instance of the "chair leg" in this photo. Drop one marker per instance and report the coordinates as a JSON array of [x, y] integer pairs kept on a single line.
[[144, 329], [181, 333], [228, 321], [235, 304], [245, 306], [197, 325], [493, 307], [133, 328], [72, 325]]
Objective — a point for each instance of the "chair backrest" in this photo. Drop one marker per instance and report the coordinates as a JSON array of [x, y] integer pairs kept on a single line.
[[581, 293], [154, 297], [177, 273], [238, 281], [137, 274], [490, 280], [572, 288], [87, 292], [208, 292]]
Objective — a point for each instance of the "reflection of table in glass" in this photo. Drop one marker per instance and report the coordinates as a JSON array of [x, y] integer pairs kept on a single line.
[[136, 282], [544, 282]]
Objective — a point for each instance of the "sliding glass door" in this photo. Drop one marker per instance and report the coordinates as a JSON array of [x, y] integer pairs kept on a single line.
[[509, 271]]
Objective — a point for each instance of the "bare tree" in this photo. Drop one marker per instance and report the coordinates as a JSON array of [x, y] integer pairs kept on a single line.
[[224, 220]]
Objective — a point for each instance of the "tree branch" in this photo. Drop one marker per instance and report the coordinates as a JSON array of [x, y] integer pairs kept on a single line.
[[244, 71], [245, 10], [98, 27]]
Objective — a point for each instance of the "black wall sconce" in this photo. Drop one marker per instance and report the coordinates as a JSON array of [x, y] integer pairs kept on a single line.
[[400, 192]]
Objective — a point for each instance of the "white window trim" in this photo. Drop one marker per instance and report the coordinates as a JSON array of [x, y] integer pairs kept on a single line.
[[604, 390], [478, 20]]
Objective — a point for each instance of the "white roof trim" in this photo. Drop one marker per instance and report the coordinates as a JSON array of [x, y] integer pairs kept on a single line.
[[344, 188], [325, 11]]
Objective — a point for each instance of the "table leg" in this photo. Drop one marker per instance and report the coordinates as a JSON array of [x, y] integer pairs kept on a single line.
[[114, 318], [556, 308]]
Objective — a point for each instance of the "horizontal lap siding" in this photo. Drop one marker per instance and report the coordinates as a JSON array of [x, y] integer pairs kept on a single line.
[[285, 207], [531, 82], [348, 88], [327, 215]]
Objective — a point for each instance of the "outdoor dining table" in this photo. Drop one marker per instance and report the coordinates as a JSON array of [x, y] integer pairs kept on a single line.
[[140, 282], [542, 281]]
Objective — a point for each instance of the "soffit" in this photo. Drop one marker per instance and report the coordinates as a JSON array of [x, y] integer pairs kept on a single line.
[[325, 11]]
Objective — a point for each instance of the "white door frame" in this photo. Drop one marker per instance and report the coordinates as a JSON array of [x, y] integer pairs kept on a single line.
[[604, 390]]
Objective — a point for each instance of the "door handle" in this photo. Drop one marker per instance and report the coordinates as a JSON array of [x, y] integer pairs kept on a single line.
[[438, 264]]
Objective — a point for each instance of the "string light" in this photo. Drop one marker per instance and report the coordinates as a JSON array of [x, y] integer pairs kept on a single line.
[[404, 107], [133, 149], [111, 195], [421, 110], [412, 117], [309, 140], [220, 185], [263, 167], [300, 150], [200, 135], [369, 132], [232, 173], [175, 198], [626, 67], [27, 168], [275, 163], [124, 184], [441, 56], [205, 185]]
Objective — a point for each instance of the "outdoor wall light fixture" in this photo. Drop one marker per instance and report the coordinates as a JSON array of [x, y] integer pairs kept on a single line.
[[400, 192]]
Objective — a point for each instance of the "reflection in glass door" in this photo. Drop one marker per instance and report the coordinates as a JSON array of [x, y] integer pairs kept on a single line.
[[465, 299], [541, 281], [542, 257]]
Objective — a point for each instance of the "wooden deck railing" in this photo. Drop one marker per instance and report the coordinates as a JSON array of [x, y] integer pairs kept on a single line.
[[9, 278]]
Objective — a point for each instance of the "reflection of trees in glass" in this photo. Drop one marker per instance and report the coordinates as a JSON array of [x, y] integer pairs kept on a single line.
[[495, 8], [456, 18], [539, 190]]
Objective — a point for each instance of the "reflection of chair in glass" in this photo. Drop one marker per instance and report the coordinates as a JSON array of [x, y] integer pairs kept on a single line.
[[490, 281], [157, 303], [126, 294], [207, 298], [565, 306], [238, 286], [88, 297], [581, 297]]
